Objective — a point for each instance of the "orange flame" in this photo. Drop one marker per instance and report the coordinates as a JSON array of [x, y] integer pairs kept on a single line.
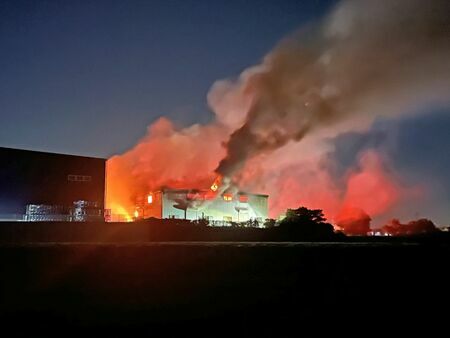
[[227, 197], [119, 211], [216, 183]]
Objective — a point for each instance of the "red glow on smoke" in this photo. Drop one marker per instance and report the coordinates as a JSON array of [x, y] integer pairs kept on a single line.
[[372, 188], [353, 221], [166, 157], [275, 123], [186, 158]]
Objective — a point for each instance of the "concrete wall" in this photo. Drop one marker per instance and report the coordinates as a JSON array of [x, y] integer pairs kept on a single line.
[[251, 206]]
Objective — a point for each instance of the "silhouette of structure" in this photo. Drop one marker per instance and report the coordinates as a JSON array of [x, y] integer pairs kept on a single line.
[[40, 186]]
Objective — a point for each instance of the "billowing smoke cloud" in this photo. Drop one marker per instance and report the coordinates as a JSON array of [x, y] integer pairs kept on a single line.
[[354, 221], [369, 183], [275, 125], [166, 157], [369, 58]]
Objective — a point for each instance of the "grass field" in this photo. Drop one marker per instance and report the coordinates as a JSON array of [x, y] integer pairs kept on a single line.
[[265, 286]]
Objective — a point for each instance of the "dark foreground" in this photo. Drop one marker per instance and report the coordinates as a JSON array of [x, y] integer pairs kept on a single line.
[[219, 288]]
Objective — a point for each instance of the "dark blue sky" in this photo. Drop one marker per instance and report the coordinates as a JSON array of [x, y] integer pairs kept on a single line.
[[87, 77]]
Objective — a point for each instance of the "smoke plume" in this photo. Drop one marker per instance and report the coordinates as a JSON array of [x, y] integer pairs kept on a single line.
[[354, 221], [275, 124], [166, 157], [369, 58]]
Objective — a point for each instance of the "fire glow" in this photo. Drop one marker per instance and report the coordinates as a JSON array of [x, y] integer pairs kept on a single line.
[[274, 126], [216, 183]]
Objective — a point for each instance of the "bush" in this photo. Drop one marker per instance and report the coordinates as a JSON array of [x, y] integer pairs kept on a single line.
[[306, 223]]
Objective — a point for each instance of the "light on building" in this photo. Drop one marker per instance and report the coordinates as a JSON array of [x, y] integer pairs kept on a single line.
[[216, 183], [150, 199], [136, 214], [227, 197], [243, 198]]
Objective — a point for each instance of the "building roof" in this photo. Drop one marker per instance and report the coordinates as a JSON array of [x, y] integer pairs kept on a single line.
[[49, 153], [207, 190]]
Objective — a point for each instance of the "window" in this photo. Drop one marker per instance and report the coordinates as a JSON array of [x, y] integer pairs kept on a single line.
[[243, 198], [79, 178], [227, 197]]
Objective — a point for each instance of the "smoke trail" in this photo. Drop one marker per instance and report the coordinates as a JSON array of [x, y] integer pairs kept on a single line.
[[278, 120], [368, 58]]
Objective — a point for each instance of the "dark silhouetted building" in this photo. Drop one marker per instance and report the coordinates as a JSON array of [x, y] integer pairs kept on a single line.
[[38, 186]]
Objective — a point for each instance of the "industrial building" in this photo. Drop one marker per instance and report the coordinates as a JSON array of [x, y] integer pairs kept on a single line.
[[203, 204], [40, 186]]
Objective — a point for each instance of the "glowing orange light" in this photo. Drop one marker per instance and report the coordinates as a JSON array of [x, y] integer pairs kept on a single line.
[[243, 198], [227, 197], [136, 214], [119, 212], [216, 183], [150, 199]]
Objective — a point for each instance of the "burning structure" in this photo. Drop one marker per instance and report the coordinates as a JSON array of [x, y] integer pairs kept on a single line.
[[217, 208], [278, 125]]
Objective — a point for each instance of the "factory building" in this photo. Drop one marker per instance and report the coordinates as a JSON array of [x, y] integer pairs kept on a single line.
[[39, 186], [203, 204]]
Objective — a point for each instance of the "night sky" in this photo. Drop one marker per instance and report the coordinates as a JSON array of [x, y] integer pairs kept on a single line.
[[87, 77]]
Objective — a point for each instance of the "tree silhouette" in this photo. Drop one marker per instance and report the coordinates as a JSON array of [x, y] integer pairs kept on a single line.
[[270, 223], [306, 223], [303, 214]]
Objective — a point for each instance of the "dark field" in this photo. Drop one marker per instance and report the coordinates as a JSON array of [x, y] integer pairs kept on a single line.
[[250, 287]]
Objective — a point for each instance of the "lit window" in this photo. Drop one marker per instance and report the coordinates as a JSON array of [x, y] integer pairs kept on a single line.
[[227, 197], [150, 199], [79, 178], [243, 198]]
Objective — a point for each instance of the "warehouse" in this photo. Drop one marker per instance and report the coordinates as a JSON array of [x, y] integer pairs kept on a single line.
[[46, 186], [203, 204]]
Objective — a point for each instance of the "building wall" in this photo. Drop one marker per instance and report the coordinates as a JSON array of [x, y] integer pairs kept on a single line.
[[153, 209], [176, 204], [30, 177]]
